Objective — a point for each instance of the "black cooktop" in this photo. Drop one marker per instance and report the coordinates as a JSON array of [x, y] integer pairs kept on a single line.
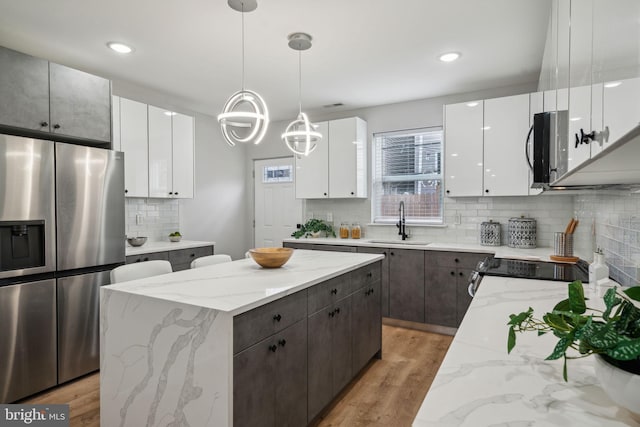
[[536, 269]]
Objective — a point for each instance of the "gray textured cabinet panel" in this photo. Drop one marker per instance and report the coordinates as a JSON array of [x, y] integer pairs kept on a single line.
[[328, 292], [147, 257], [406, 284], [341, 345], [261, 322], [366, 324], [464, 299], [181, 259], [24, 91], [333, 248], [441, 295], [270, 380], [80, 104], [384, 275]]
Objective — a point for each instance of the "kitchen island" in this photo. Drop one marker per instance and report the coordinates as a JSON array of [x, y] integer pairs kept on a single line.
[[176, 348], [479, 384]]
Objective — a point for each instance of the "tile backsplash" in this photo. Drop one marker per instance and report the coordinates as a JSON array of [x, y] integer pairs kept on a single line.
[[153, 218]]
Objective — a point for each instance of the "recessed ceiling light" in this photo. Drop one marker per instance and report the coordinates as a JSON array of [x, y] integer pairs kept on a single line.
[[119, 47], [450, 56], [170, 113], [575, 119], [472, 104], [612, 84]]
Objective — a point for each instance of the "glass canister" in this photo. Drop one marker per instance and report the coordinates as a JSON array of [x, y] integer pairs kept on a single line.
[[355, 231], [344, 230], [522, 232], [490, 233]]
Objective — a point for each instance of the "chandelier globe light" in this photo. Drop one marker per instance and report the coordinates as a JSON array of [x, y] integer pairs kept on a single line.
[[301, 136], [245, 117]]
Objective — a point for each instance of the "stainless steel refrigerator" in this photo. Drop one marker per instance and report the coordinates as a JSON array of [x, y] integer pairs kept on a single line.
[[61, 230]]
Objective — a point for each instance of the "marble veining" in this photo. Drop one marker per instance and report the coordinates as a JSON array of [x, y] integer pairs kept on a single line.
[[479, 384]]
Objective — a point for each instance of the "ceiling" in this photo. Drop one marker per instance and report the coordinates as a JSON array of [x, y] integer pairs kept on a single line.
[[365, 52]]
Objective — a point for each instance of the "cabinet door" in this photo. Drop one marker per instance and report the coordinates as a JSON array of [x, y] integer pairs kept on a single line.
[[24, 90], [183, 149], [320, 366], [463, 297], [342, 355], [621, 107], [506, 123], [579, 121], [463, 149], [134, 140], [347, 158], [440, 295], [367, 324], [80, 104], [254, 379], [291, 376], [384, 275], [181, 259], [160, 163], [312, 172], [115, 123], [406, 284]]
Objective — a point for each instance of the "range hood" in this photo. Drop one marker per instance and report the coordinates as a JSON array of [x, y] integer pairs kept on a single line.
[[618, 165]]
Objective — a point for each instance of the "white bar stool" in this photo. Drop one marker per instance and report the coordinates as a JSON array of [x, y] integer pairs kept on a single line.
[[210, 260]]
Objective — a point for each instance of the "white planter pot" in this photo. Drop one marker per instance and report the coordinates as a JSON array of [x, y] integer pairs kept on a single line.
[[621, 386]]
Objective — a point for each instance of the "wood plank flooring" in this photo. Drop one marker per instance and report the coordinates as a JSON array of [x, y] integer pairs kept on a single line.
[[387, 393]]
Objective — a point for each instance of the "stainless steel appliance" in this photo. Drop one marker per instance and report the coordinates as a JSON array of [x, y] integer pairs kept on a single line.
[[61, 231], [550, 147], [528, 269]]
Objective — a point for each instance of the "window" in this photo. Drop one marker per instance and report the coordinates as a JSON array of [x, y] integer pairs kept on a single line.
[[407, 165]]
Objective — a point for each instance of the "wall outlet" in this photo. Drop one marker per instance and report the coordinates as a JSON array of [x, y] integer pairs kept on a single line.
[[139, 219], [458, 219], [329, 216]]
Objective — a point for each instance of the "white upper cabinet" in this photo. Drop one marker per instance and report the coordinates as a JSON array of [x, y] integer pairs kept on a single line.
[[463, 149], [347, 158], [506, 123], [160, 153], [115, 123], [134, 143], [312, 171], [183, 155], [337, 167]]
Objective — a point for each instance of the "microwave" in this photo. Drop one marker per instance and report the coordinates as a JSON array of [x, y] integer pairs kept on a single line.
[[549, 157]]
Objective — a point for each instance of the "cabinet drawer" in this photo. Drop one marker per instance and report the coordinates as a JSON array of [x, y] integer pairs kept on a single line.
[[366, 275], [333, 248], [147, 257], [259, 323], [454, 259], [325, 293], [297, 245], [185, 256]]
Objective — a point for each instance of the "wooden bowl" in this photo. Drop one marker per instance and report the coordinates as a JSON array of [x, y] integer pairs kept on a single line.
[[271, 257]]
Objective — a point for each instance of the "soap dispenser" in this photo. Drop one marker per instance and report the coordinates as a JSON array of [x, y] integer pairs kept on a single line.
[[598, 270]]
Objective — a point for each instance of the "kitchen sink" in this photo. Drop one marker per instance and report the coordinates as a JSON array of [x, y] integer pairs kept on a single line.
[[399, 242]]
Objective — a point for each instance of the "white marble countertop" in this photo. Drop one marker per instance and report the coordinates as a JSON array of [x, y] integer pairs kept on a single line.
[[151, 247], [239, 286], [479, 384], [539, 254]]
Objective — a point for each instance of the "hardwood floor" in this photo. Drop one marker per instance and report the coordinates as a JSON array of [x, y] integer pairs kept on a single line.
[[387, 393]]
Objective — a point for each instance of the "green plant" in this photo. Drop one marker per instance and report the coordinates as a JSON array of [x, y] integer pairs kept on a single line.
[[313, 226], [613, 333], [175, 234]]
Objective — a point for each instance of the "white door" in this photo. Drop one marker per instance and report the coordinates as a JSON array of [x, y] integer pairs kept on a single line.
[[277, 211]]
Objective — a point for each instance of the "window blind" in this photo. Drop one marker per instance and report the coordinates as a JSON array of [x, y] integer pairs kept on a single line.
[[407, 166]]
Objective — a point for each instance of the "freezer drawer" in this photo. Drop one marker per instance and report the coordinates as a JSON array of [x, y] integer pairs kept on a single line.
[[78, 333], [27, 339], [89, 206]]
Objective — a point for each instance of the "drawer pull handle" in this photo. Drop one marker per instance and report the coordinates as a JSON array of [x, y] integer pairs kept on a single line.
[[43, 124], [453, 273], [146, 259], [56, 126], [273, 348], [461, 274], [282, 342], [334, 291], [277, 317], [456, 260], [337, 310], [192, 255], [332, 313], [369, 274]]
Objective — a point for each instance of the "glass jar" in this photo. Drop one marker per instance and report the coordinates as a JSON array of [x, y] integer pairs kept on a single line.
[[355, 230], [344, 230]]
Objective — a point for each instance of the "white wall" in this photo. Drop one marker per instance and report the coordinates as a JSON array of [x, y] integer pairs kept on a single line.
[[218, 210]]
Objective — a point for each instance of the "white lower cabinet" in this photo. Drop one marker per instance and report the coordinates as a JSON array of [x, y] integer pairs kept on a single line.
[[337, 167]]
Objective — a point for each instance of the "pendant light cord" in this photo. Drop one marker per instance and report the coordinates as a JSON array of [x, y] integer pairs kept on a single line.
[[242, 12], [300, 82]]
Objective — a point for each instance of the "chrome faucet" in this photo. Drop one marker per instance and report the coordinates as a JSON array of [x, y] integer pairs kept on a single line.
[[401, 222]]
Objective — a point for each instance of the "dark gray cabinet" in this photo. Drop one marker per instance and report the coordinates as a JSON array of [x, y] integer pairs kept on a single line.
[[49, 98], [24, 91], [270, 380], [329, 354], [406, 284], [80, 104], [180, 259], [366, 323], [384, 275], [446, 282], [333, 248]]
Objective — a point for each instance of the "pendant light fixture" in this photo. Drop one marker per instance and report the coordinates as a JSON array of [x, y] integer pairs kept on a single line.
[[301, 136], [245, 117]]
